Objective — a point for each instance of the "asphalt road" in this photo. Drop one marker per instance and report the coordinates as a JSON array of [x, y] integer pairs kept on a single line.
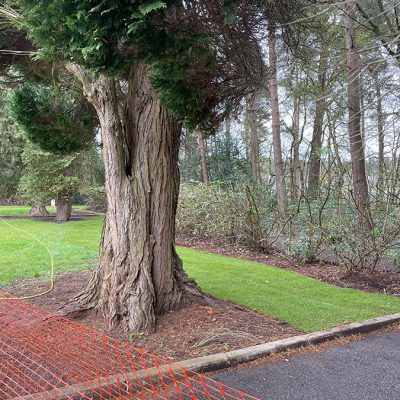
[[364, 370]]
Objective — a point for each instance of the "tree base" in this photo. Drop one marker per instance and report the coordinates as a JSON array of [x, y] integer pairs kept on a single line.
[[38, 209], [64, 207], [131, 318]]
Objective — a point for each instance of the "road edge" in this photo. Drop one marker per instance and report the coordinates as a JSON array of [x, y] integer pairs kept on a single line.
[[228, 359], [107, 387]]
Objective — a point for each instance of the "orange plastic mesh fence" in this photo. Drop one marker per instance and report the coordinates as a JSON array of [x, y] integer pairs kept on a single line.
[[43, 356]]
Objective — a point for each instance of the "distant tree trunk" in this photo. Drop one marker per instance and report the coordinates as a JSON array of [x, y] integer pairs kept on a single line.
[[203, 158], [340, 169], [360, 184], [254, 141], [314, 175], [381, 135], [362, 111], [295, 167], [228, 137], [64, 206], [246, 135], [139, 274], [38, 209], [276, 124]]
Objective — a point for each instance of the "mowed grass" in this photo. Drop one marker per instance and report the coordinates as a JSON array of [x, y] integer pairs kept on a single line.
[[14, 210], [74, 246], [306, 304]]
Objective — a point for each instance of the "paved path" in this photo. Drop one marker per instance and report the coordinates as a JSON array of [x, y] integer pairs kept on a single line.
[[364, 370]]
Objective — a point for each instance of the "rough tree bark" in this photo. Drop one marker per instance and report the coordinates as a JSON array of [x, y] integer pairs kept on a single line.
[[203, 158], [64, 206], [139, 274], [360, 184], [314, 175], [276, 124], [254, 141], [38, 209]]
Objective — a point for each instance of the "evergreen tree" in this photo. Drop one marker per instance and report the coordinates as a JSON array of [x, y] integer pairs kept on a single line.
[[135, 60], [48, 176], [11, 148], [58, 123], [116, 48]]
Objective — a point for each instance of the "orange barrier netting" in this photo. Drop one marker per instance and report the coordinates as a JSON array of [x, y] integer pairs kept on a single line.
[[43, 356]]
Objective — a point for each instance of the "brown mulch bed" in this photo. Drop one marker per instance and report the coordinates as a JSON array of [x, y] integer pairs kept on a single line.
[[370, 281], [197, 329]]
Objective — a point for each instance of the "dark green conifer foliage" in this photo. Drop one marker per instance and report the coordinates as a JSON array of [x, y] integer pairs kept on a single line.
[[58, 123], [190, 45], [107, 36]]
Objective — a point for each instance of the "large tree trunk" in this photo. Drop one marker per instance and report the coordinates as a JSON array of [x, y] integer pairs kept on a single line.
[[64, 206], [254, 141], [276, 123], [38, 209], [317, 136], [360, 184], [139, 274], [203, 159]]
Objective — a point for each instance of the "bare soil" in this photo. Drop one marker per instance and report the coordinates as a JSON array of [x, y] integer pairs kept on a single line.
[[197, 329], [387, 282]]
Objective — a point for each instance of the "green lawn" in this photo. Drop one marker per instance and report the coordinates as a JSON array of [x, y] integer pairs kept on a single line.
[[74, 246], [305, 303], [14, 210]]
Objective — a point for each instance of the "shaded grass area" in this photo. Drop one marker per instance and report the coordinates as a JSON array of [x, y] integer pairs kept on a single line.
[[24, 210], [305, 303]]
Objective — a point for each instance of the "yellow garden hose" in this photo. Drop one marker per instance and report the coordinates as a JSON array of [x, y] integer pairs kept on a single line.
[[44, 245]]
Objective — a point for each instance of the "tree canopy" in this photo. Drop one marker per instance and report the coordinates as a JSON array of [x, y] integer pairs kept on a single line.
[[198, 62]]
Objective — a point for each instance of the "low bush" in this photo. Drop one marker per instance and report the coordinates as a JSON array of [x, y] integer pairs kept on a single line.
[[96, 198], [226, 215], [211, 213], [309, 231], [12, 201]]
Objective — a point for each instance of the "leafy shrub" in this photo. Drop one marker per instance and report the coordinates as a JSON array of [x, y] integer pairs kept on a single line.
[[357, 249], [226, 215], [96, 198], [309, 231], [210, 213], [12, 201]]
